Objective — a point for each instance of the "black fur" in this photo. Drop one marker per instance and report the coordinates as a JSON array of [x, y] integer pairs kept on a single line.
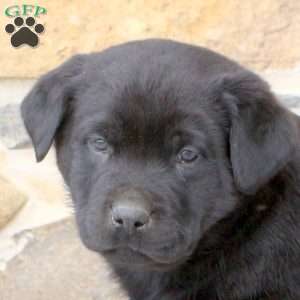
[[225, 226]]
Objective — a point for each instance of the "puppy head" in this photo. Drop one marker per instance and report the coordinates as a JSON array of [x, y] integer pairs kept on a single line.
[[153, 160]]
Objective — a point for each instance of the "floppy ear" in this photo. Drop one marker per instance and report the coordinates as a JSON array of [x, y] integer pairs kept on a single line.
[[44, 107], [262, 135]]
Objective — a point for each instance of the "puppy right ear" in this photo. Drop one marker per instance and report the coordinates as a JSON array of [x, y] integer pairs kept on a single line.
[[43, 108], [263, 133]]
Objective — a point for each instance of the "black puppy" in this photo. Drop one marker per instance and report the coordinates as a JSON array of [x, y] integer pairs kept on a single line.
[[183, 168]]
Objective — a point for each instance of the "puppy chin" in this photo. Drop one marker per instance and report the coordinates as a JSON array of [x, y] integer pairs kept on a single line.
[[151, 259], [134, 260]]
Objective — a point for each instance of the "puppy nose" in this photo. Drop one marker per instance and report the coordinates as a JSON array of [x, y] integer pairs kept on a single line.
[[130, 209], [129, 217]]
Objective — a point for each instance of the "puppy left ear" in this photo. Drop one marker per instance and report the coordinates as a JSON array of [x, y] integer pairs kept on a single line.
[[44, 107], [263, 133]]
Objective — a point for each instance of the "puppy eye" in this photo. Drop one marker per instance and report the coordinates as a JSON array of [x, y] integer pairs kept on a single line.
[[98, 144], [188, 155]]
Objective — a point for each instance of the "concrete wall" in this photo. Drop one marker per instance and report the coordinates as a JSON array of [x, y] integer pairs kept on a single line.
[[262, 34]]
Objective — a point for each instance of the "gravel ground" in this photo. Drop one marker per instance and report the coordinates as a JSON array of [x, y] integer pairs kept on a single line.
[[55, 265]]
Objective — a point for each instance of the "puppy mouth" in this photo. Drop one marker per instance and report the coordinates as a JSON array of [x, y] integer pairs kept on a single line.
[[133, 257]]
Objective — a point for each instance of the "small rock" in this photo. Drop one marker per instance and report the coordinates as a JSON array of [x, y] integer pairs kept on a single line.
[[11, 247], [290, 101], [12, 131], [11, 199]]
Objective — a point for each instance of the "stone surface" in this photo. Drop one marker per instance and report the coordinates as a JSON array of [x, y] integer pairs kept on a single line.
[[290, 101], [13, 90], [31, 195], [285, 82], [260, 34], [55, 265], [41, 183], [11, 201], [12, 131]]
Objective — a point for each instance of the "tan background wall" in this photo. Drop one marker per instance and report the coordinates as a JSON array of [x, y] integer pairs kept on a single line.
[[262, 34]]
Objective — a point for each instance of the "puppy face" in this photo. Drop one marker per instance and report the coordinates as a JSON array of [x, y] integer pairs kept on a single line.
[[156, 148], [147, 151]]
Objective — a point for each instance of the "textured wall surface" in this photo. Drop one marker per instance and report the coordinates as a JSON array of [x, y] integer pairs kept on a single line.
[[262, 34]]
